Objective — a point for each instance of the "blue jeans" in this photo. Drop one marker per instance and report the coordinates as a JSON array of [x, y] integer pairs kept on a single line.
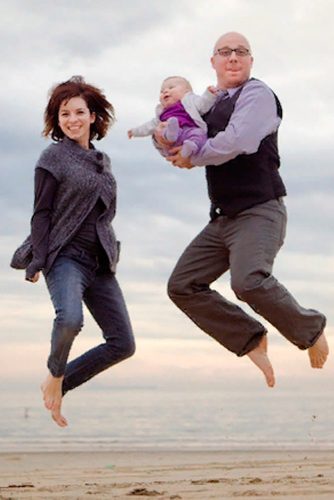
[[75, 278]]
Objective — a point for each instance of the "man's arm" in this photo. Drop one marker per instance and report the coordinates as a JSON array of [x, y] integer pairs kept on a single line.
[[254, 117]]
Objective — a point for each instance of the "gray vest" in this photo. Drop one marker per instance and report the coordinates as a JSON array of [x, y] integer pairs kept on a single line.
[[84, 176], [247, 180]]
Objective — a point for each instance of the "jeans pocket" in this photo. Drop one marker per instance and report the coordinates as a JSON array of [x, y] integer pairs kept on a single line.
[[83, 258]]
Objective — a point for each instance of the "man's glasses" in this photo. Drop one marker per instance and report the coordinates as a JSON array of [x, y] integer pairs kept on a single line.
[[227, 52]]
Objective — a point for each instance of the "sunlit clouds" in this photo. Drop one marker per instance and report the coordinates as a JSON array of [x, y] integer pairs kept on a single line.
[[127, 48]]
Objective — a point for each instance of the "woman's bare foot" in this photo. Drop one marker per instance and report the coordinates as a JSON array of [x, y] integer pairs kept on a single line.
[[260, 359], [318, 352], [58, 417], [52, 395]]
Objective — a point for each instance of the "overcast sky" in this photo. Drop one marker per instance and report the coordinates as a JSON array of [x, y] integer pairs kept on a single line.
[[127, 48]]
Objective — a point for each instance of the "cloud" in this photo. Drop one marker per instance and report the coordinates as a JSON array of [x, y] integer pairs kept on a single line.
[[127, 48], [79, 29], [196, 362]]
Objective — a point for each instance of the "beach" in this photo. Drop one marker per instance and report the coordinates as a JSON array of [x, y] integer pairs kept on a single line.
[[168, 474]]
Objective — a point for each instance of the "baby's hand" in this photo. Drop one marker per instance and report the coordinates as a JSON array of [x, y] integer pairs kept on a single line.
[[213, 90], [130, 134]]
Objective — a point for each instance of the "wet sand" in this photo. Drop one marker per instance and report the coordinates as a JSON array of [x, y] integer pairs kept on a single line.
[[168, 475]]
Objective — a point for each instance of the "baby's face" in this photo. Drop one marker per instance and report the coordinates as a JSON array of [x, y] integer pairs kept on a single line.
[[172, 90]]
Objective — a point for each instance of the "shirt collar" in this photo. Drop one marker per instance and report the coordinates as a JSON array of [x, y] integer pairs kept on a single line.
[[230, 92]]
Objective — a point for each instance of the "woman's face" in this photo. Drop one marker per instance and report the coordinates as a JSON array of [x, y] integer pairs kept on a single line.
[[75, 119]]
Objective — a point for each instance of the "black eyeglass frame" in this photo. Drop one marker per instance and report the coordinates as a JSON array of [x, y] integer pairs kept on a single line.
[[227, 52]]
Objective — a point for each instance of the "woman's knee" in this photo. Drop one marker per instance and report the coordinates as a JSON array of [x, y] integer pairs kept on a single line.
[[128, 348], [123, 349], [131, 349]]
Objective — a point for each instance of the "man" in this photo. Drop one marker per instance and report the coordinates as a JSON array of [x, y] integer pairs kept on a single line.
[[248, 220]]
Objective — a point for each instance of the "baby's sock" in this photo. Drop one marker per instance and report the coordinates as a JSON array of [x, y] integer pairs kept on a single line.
[[189, 148], [172, 129]]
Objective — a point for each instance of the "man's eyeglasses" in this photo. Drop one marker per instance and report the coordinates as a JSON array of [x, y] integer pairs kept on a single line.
[[227, 52]]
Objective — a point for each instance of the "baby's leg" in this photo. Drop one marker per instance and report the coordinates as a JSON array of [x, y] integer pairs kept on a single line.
[[192, 140], [189, 148], [172, 129]]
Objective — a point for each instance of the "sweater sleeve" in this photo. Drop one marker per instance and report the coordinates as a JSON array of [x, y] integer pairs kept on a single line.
[[46, 186], [51, 160], [146, 128], [204, 102]]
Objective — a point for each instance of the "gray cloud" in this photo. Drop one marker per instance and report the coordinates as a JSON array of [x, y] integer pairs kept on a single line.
[[127, 48], [78, 29]]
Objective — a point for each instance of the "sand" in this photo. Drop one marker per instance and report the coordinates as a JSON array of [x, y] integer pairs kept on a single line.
[[168, 475]]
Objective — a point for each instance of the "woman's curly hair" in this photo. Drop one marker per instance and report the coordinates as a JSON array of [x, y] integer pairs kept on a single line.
[[96, 103]]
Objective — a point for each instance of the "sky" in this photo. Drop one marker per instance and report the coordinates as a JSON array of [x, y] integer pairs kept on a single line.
[[127, 48]]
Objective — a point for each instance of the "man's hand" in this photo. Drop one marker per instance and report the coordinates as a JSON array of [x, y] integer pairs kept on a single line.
[[158, 135], [178, 160]]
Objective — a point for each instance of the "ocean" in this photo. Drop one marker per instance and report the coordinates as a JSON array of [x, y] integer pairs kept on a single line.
[[161, 417]]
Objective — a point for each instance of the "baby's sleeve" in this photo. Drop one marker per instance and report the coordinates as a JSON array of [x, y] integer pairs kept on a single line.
[[204, 102], [146, 128]]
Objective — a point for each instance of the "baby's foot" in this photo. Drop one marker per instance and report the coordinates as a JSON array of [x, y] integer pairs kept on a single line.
[[188, 148], [172, 129]]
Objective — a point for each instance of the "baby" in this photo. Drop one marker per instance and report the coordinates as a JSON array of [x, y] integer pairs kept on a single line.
[[179, 116]]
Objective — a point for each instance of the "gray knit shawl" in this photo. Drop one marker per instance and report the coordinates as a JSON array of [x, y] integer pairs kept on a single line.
[[84, 176]]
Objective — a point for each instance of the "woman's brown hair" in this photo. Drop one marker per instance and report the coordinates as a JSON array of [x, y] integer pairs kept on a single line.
[[96, 103]]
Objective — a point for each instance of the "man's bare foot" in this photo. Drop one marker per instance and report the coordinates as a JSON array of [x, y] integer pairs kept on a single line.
[[318, 352], [260, 359], [52, 395]]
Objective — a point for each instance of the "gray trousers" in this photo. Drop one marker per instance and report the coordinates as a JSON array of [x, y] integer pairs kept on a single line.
[[246, 245]]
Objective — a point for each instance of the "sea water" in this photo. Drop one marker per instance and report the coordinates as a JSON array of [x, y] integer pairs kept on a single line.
[[161, 417]]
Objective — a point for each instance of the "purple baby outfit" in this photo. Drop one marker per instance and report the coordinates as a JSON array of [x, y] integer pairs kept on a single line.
[[180, 113], [182, 126]]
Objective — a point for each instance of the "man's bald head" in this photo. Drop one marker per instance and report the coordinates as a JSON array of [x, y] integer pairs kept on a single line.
[[232, 37], [232, 60]]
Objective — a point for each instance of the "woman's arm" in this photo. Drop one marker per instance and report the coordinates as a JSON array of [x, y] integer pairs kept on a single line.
[[46, 186]]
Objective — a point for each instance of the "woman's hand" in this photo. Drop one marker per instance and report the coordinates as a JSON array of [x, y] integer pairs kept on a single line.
[[34, 278]]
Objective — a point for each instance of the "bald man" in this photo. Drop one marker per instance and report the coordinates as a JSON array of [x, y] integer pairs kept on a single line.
[[247, 221]]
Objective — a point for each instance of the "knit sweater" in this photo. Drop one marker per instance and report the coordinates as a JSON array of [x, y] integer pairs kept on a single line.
[[84, 176]]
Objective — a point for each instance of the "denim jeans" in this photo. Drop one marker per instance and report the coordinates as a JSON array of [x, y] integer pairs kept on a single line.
[[74, 278], [246, 245]]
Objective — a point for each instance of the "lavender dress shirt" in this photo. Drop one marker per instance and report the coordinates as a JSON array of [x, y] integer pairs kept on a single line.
[[254, 117]]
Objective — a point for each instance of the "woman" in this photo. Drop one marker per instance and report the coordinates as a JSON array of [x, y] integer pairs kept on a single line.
[[72, 241]]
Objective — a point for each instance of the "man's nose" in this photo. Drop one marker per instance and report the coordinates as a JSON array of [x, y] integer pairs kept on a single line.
[[233, 56]]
